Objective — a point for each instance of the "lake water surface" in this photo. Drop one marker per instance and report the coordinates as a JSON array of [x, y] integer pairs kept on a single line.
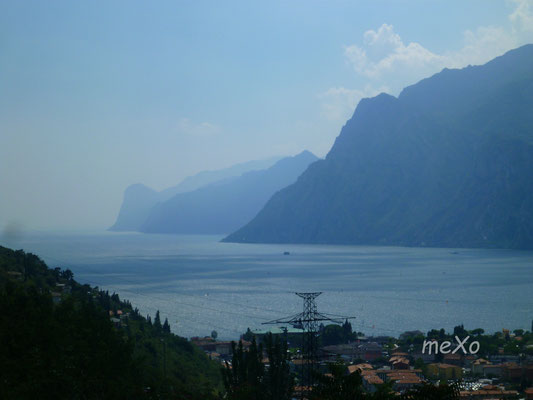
[[203, 285]]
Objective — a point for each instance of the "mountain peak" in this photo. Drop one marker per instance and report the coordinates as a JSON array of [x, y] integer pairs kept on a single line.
[[446, 164]]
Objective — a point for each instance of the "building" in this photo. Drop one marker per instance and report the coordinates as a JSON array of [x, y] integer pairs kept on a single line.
[[56, 297], [63, 288], [479, 365], [493, 371], [503, 358], [381, 340], [371, 380], [488, 392], [453, 359], [207, 343], [399, 362], [359, 367], [512, 372], [444, 371], [468, 360], [15, 275], [370, 351], [403, 383], [426, 357], [348, 352], [402, 380], [352, 351]]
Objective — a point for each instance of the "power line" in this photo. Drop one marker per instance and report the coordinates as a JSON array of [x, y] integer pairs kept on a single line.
[[197, 306], [187, 304], [208, 298], [308, 321], [209, 325]]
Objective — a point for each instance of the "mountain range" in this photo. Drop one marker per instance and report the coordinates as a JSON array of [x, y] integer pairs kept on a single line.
[[226, 205], [139, 199], [447, 163]]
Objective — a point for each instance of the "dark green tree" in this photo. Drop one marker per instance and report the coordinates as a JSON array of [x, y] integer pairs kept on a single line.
[[333, 334], [244, 379], [279, 382], [248, 335], [166, 326], [157, 321], [67, 274], [419, 364], [347, 330], [460, 331], [337, 385]]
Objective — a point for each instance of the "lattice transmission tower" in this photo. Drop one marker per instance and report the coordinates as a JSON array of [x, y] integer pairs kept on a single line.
[[308, 321]]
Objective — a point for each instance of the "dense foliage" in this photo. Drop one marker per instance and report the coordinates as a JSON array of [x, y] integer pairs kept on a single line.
[[58, 341], [246, 378]]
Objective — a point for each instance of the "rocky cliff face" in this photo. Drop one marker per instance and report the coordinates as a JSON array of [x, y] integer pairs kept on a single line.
[[449, 163]]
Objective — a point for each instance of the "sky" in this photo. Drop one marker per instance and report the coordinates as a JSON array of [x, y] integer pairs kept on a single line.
[[98, 95]]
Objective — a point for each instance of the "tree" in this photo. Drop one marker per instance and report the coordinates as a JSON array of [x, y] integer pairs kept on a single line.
[[347, 330], [244, 379], [337, 385], [157, 321], [248, 335], [279, 382], [333, 334], [419, 364], [166, 326], [67, 274], [460, 331], [214, 334], [72, 350]]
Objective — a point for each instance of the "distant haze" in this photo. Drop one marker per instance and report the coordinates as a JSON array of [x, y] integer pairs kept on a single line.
[[95, 96]]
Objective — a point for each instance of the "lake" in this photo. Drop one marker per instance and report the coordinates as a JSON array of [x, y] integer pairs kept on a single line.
[[202, 285]]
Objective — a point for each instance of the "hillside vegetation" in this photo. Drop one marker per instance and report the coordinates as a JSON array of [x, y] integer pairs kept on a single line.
[[59, 341]]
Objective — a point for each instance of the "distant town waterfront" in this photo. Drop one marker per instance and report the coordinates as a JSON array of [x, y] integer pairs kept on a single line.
[[202, 285]]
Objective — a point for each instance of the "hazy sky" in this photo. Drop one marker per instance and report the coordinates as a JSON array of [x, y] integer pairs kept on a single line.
[[97, 95]]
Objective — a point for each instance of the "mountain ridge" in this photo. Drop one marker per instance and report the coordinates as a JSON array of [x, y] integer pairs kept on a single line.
[[221, 208], [421, 169], [139, 199]]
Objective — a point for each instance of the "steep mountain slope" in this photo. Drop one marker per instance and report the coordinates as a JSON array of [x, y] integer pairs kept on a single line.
[[139, 199], [448, 163], [136, 205], [223, 207]]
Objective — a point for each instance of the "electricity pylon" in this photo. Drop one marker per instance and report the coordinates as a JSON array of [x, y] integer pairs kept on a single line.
[[308, 321]]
